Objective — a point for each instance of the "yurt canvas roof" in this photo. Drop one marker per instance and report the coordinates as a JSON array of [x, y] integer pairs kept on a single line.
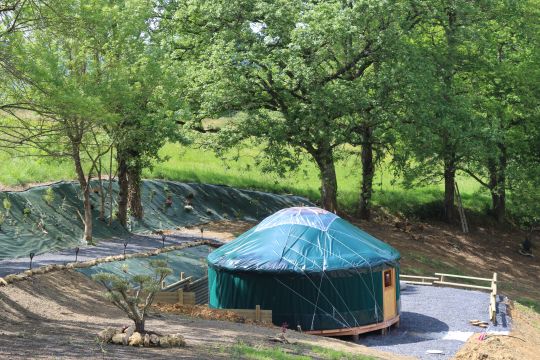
[[304, 240]]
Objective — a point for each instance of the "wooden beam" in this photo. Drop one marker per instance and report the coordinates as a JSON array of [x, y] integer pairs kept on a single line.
[[462, 285], [356, 330], [418, 282], [418, 277], [464, 277]]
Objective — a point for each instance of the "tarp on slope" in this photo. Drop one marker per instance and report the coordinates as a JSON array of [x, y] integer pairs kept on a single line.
[[34, 224], [191, 261]]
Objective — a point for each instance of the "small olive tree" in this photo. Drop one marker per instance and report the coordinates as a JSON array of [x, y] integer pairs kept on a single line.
[[134, 295]]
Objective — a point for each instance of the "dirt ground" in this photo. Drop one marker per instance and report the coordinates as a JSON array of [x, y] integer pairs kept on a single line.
[[222, 230], [427, 248], [524, 342], [58, 315]]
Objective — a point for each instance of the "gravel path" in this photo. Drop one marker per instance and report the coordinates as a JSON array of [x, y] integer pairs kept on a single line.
[[436, 318], [136, 243]]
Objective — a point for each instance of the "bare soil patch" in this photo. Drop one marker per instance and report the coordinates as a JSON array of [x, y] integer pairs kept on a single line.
[[57, 315], [523, 344], [223, 230], [199, 311]]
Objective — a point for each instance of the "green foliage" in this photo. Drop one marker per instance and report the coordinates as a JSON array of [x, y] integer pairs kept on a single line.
[[49, 196], [290, 85], [296, 81], [530, 304], [332, 354], [243, 351], [7, 205], [134, 295]]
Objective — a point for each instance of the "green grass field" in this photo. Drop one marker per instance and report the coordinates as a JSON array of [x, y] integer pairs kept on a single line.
[[193, 164]]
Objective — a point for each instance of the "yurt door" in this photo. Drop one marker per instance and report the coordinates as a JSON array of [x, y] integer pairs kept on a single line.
[[389, 294]]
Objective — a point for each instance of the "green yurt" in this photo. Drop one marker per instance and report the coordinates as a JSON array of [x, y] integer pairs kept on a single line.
[[313, 269]]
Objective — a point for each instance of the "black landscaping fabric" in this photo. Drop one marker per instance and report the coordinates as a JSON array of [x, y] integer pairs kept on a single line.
[[38, 223]]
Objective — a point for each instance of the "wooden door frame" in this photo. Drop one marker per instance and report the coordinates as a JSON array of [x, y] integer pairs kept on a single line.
[[393, 289]]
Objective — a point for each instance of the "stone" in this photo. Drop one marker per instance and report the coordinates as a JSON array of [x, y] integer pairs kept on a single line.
[[146, 340], [178, 340], [107, 334], [118, 339], [154, 340], [175, 340], [164, 341], [136, 339], [3, 282], [129, 330]]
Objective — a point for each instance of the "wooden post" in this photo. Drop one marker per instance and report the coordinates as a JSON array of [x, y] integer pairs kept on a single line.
[[258, 313], [181, 296], [181, 276], [493, 300]]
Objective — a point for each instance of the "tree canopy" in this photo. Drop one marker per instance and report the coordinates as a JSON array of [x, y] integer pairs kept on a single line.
[[438, 89]]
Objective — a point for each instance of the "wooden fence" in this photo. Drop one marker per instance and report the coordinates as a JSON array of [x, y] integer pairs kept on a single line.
[[175, 297], [420, 280], [189, 292], [442, 279], [257, 314]]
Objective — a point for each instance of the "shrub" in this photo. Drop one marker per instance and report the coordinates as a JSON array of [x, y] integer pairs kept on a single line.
[[7, 205], [48, 197], [134, 295]]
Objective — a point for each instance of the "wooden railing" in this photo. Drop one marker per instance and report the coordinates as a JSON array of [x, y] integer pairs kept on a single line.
[[442, 279], [419, 280]]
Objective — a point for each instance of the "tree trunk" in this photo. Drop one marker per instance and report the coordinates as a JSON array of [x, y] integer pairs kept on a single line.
[[324, 158], [101, 192], [139, 326], [111, 207], [88, 221], [123, 187], [85, 188], [497, 184], [134, 194], [449, 188], [368, 171]]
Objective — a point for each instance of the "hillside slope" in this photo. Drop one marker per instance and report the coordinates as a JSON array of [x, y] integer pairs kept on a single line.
[[47, 217]]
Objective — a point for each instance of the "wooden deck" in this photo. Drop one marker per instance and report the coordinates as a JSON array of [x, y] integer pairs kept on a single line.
[[356, 330]]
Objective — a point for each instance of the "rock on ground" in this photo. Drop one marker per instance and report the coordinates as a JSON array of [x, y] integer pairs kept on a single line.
[[136, 339]]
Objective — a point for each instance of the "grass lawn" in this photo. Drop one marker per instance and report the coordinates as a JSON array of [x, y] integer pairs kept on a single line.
[[290, 352], [193, 164]]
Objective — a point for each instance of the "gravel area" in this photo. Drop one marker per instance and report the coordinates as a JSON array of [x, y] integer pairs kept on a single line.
[[436, 318], [136, 244]]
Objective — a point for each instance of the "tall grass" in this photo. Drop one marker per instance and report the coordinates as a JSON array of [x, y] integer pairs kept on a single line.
[[197, 165], [193, 164]]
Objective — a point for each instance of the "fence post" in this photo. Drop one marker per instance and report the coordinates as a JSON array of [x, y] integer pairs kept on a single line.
[[258, 313], [493, 299], [181, 296]]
